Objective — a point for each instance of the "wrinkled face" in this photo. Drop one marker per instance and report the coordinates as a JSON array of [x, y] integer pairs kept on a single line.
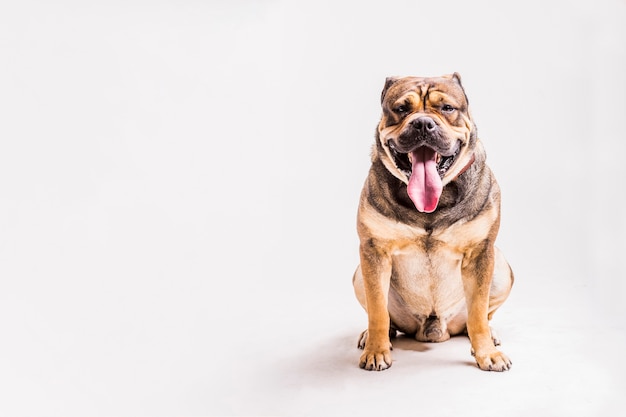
[[427, 134]]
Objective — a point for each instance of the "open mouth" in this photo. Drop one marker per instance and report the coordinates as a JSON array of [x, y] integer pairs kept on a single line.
[[404, 161]]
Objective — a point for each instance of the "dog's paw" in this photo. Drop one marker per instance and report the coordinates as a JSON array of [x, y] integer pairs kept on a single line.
[[493, 360], [495, 337], [375, 359], [362, 340]]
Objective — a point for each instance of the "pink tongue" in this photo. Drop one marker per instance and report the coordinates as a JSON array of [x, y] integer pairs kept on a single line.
[[425, 183]]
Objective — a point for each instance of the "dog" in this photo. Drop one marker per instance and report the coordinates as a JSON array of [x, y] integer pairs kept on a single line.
[[428, 216]]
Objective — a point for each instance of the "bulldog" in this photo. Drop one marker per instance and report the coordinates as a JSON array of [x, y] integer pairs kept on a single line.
[[428, 217]]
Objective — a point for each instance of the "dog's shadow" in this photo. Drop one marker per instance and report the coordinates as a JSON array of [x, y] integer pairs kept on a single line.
[[335, 360], [404, 342]]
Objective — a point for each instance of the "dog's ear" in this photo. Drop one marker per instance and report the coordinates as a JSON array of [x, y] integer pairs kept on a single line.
[[456, 76], [389, 81]]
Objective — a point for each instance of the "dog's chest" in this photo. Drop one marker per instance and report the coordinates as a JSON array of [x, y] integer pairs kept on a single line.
[[427, 277], [426, 263]]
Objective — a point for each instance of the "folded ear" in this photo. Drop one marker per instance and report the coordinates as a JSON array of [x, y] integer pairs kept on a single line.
[[389, 81]]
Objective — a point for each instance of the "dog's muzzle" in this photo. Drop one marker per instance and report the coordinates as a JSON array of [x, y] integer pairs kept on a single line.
[[404, 160], [423, 154]]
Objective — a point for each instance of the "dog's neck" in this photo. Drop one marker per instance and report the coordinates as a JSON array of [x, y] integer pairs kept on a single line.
[[466, 167]]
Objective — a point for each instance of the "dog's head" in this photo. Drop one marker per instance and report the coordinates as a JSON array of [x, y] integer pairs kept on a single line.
[[426, 133]]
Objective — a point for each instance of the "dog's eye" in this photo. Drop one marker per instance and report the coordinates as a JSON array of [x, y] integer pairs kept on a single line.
[[447, 108], [400, 109]]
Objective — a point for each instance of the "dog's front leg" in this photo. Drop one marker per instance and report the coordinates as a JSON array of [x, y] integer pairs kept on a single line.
[[477, 271], [376, 269]]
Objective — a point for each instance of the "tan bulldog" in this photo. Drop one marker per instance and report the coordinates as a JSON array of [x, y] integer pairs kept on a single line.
[[427, 221]]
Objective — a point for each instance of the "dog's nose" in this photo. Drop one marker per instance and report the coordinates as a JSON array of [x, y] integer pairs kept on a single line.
[[424, 124]]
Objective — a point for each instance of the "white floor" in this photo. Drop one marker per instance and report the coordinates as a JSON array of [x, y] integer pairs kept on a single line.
[[567, 361], [178, 190], [169, 349]]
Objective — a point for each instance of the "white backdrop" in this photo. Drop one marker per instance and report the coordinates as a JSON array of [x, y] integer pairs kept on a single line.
[[179, 181]]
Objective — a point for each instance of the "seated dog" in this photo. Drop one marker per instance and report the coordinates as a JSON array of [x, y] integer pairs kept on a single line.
[[427, 221]]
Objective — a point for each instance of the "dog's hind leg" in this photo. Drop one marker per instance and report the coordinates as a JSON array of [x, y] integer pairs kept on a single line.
[[500, 285], [359, 287]]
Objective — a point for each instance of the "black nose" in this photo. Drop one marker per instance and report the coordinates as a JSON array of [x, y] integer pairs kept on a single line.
[[424, 124]]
